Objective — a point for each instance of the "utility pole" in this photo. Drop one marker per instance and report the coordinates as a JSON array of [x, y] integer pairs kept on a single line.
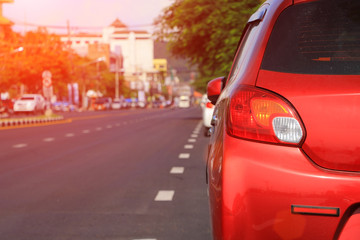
[[117, 78]]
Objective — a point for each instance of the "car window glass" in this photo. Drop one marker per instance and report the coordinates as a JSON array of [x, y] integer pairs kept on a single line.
[[316, 38], [246, 42]]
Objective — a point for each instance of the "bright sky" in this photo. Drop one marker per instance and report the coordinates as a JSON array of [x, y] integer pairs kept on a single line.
[[137, 14]]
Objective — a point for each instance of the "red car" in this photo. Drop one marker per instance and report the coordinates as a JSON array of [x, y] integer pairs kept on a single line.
[[284, 155]]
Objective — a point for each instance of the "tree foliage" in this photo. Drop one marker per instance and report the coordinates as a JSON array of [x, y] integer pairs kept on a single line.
[[45, 51], [205, 31]]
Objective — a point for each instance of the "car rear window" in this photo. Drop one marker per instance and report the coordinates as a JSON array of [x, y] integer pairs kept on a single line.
[[320, 37]]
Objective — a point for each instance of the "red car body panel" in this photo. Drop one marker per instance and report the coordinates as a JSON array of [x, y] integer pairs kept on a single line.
[[262, 183], [254, 187], [330, 108]]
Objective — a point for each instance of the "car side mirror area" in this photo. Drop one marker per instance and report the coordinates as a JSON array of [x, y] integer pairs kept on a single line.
[[214, 89]]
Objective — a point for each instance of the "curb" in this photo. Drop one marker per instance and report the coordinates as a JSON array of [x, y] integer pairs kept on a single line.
[[25, 121]]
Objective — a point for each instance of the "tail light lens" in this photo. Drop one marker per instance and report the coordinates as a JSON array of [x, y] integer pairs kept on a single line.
[[259, 115], [209, 105]]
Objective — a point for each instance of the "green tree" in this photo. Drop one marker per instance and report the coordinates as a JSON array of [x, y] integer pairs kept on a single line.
[[206, 32], [45, 51]]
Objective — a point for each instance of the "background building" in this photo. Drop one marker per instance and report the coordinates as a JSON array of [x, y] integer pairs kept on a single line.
[[5, 23], [133, 51]]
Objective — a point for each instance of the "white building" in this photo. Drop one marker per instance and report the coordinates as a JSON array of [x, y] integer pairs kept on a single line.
[[135, 48]]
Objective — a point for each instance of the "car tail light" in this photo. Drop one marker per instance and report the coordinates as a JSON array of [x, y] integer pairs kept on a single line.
[[209, 105], [260, 115]]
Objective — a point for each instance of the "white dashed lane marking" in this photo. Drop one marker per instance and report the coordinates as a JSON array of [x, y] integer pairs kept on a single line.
[[145, 239], [184, 155], [165, 195], [50, 139], [189, 146], [194, 135], [99, 129], [177, 170], [69, 135], [191, 140], [86, 131], [20, 145]]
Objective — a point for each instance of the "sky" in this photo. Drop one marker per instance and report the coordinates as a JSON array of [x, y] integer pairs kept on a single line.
[[93, 14]]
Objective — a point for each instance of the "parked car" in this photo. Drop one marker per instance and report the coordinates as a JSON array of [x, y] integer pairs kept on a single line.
[[30, 103], [103, 103], [63, 106], [207, 113], [184, 102], [283, 160], [116, 104]]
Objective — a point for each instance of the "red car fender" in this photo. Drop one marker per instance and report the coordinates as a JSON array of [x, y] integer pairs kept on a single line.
[[351, 229]]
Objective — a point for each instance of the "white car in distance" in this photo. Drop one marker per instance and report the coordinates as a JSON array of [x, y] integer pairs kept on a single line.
[[207, 113], [30, 103]]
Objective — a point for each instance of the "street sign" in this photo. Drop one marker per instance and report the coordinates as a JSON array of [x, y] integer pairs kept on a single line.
[[46, 75]]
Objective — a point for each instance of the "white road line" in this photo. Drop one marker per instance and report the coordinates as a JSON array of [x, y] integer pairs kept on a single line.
[[20, 145], [50, 139], [189, 146], [165, 195], [196, 132], [184, 155], [191, 140], [109, 126], [86, 131], [118, 124], [177, 170], [98, 128], [69, 135], [194, 135], [145, 239]]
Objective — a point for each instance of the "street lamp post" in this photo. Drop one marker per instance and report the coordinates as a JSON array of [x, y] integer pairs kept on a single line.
[[117, 79]]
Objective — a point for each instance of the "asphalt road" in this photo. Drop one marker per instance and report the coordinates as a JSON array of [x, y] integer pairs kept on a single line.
[[106, 175]]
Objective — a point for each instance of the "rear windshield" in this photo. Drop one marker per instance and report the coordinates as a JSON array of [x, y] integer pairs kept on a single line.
[[316, 38]]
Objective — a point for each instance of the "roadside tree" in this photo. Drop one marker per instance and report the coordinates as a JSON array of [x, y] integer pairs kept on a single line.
[[206, 32]]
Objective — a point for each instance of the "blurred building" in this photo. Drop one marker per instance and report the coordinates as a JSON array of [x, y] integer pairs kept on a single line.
[[5, 23], [130, 51]]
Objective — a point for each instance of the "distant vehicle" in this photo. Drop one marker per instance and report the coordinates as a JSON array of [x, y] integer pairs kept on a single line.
[[141, 104], [207, 113], [30, 103], [184, 102], [102, 104], [63, 106], [116, 104]]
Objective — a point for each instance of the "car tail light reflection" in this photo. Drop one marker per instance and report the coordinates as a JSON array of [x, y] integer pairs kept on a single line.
[[209, 105], [260, 115]]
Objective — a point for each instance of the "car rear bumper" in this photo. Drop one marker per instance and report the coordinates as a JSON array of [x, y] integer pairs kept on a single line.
[[260, 185]]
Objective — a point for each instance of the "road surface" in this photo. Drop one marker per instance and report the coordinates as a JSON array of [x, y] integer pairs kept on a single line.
[[134, 174]]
